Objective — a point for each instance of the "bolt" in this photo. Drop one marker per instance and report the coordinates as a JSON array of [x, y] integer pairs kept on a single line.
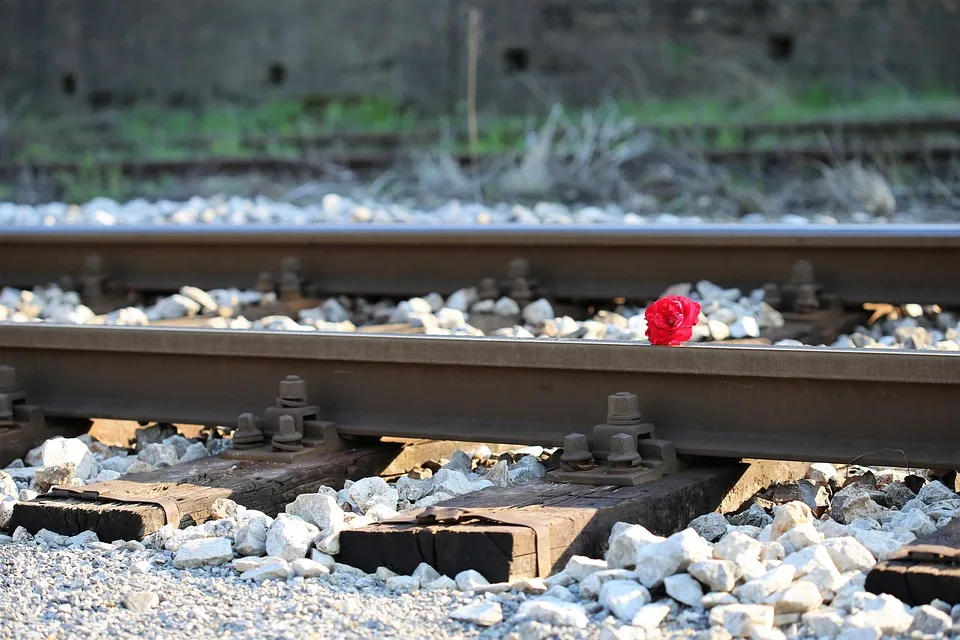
[[575, 448], [576, 454], [519, 268], [293, 392], [520, 291], [291, 264], [807, 300], [8, 379], [802, 273], [623, 451], [488, 289], [290, 285], [623, 408], [93, 278], [247, 435], [264, 282], [93, 264], [290, 278], [288, 438]]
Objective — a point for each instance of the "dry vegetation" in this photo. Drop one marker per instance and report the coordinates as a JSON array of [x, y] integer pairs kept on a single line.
[[603, 156]]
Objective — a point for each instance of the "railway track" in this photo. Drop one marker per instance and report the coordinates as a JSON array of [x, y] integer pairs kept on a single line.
[[858, 264], [692, 414], [716, 401], [312, 409]]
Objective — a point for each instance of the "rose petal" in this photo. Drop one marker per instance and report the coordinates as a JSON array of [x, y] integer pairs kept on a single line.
[[670, 320]]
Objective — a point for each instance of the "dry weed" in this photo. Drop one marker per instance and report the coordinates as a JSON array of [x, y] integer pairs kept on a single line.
[[580, 161], [854, 187]]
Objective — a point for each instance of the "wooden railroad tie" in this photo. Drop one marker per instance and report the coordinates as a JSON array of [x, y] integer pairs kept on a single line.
[[504, 532], [927, 568], [138, 504]]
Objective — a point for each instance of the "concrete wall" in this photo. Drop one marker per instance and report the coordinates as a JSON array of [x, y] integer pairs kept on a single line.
[[96, 53]]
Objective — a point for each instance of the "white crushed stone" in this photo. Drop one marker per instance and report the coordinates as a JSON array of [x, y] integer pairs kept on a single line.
[[912, 326], [58, 451], [624, 598], [205, 551], [725, 313], [803, 577], [485, 614], [84, 460], [290, 537], [341, 209], [272, 569]]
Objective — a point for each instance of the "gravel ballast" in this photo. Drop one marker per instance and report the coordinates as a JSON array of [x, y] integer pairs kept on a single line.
[[337, 209], [727, 313], [791, 565]]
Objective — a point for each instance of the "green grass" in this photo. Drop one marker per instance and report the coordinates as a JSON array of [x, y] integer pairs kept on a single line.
[[146, 132], [151, 132], [816, 102], [171, 134]]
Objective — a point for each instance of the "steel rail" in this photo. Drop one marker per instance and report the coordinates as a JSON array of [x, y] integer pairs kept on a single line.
[[883, 263], [873, 406]]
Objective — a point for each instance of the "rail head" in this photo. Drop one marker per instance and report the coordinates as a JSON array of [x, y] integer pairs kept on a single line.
[[654, 235]]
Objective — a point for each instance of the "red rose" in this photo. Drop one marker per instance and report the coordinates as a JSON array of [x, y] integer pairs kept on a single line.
[[670, 320]]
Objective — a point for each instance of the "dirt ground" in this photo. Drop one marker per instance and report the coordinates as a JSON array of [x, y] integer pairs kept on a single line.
[[119, 433]]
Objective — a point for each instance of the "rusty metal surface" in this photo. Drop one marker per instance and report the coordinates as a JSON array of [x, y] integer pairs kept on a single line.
[[882, 407], [888, 263]]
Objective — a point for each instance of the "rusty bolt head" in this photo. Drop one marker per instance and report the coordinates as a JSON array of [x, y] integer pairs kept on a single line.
[[291, 264], [287, 424], [289, 281], [623, 408], [246, 423], [807, 298], [623, 449], [247, 435], [488, 289], [520, 288], [93, 263], [293, 388], [8, 379], [519, 268], [264, 282], [288, 438], [575, 448], [802, 273]]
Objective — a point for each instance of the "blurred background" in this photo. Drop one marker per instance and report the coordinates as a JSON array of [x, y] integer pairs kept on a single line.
[[722, 109]]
